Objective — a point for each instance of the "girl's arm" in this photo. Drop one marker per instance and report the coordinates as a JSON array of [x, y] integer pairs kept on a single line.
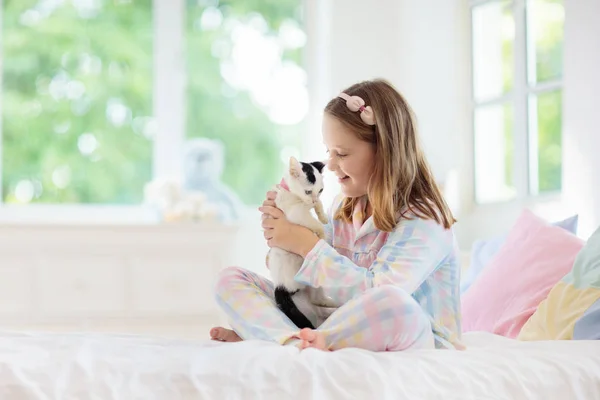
[[411, 253], [307, 240]]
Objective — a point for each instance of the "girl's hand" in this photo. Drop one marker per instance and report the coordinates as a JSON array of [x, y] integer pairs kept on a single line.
[[281, 233], [270, 199], [269, 202]]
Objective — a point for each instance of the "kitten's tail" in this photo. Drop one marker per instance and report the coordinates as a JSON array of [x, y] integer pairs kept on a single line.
[[285, 302]]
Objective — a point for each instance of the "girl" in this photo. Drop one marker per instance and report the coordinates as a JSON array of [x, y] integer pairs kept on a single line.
[[389, 260]]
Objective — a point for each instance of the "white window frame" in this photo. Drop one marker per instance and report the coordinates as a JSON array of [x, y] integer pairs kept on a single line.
[[169, 110], [525, 130]]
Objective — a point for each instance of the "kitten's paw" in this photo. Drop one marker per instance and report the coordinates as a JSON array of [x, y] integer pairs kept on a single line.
[[323, 219], [318, 298], [326, 303]]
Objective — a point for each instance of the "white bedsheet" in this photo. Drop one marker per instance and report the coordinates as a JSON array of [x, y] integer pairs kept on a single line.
[[89, 366]]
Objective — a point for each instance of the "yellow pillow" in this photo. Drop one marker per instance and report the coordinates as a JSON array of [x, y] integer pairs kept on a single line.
[[556, 316], [569, 299]]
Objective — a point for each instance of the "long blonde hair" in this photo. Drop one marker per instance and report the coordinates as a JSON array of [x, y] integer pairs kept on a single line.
[[402, 180]]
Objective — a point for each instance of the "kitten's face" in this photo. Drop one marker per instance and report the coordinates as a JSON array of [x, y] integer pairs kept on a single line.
[[305, 180]]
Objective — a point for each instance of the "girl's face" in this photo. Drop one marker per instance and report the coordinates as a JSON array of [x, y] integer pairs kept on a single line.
[[351, 159]]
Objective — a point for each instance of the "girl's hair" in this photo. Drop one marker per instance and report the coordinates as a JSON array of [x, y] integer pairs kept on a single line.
[[402, 181]]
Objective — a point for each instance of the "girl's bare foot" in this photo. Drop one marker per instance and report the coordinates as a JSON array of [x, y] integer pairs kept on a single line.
[[311, 338], [224, 335]]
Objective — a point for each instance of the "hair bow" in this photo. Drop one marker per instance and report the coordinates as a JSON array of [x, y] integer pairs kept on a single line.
[[356, 103]]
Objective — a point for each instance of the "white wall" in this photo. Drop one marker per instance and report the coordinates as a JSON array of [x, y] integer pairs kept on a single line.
[[581, 102]]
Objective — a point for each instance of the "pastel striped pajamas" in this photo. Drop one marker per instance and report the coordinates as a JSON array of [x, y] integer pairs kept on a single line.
[[395, 291]]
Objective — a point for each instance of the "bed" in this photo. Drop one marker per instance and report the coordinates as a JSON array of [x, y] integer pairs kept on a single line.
[[105, 366], [181, 364]]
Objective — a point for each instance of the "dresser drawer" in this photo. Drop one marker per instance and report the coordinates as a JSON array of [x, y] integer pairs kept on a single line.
[[17, 296], [85, 285], [173, 285], [154, 279]]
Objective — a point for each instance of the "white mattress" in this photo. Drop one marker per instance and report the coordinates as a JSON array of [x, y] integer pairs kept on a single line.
[[59, 366]]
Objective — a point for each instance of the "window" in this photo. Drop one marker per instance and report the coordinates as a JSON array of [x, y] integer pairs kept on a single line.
[[517, 110], [76, 101], [96, 101]]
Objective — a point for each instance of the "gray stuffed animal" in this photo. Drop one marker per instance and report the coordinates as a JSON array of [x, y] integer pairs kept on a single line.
[[203, 163]]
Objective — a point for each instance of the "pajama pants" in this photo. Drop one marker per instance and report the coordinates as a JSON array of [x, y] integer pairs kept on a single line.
[[383, 318]]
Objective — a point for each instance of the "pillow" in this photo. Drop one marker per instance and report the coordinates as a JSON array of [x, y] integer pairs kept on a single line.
[[572, 308], [588, 326], [482, 251], [534, 257]]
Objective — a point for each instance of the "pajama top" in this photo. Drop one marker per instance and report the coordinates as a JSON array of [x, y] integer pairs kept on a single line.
[[418, 256]]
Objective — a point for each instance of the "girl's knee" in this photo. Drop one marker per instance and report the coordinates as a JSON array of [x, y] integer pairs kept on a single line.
[[395, 298], [412, 323], [228, 277], [391, 293]]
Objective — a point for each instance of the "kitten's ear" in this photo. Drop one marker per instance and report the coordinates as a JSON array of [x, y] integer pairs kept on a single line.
[[318, 165], [295, 168]]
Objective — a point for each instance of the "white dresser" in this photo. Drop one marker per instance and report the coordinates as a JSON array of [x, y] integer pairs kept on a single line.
[[150, 279]]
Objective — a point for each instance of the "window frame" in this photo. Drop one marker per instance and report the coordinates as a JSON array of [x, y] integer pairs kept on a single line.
[[525, 154], [169, 109]]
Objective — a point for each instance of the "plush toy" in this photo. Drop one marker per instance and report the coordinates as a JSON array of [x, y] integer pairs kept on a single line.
[[170, 204], [203, 163]]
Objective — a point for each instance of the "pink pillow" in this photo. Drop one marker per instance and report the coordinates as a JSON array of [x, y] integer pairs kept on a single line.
[[535, 256]]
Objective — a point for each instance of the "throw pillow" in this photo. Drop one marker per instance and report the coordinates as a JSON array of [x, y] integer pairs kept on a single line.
[[572, 308], [483, 251], [534, 257]]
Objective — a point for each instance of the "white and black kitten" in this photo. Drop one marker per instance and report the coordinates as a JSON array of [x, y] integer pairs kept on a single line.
[[298, 193]]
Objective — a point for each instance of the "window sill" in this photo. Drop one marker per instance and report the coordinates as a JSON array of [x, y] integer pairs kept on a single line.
[[492, 218], [76, 215], [550, 206], [527, 201], [93, 215]]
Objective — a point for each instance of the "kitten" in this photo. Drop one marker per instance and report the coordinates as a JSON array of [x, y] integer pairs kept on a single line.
[[297, 194]]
